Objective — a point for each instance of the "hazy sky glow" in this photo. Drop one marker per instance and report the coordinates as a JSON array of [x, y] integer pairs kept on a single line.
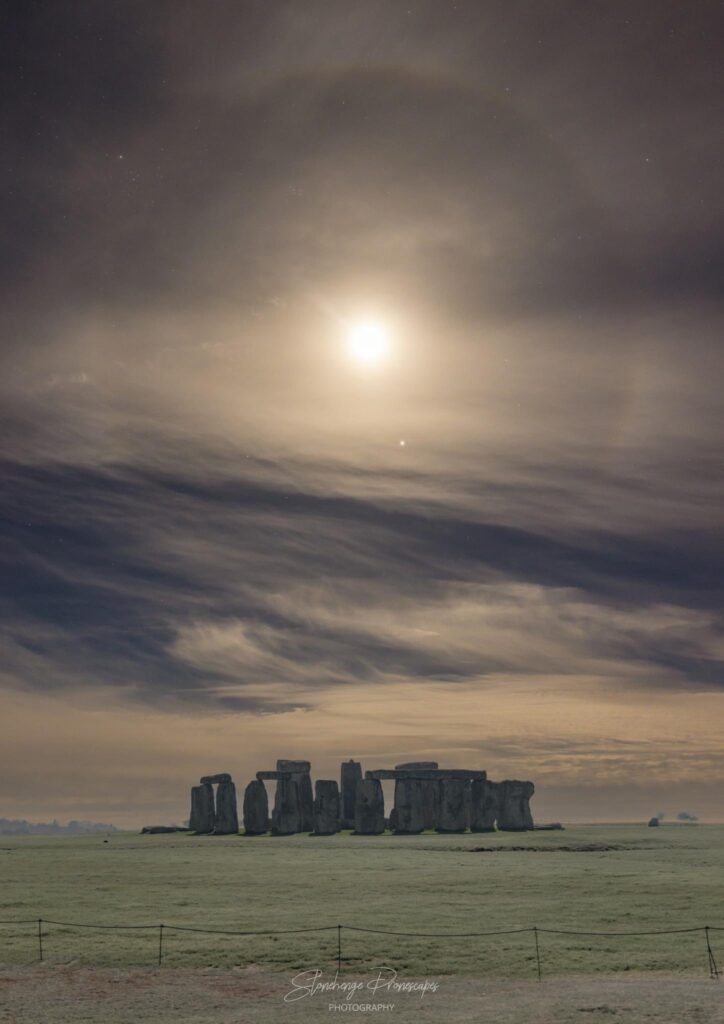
[[216, 550]]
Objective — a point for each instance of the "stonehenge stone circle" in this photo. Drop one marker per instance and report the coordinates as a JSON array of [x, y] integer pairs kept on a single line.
[[514, 815], [484, 804], [409, 806], [256, 809], [201, 819], [286, 817], [226, 821], [426, 797], [350, 778], [369, 817], [454, 805], [326, 807]]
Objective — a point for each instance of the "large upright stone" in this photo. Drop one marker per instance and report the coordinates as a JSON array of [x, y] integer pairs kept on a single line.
[[431, 802], [256, 809], [301, 774], [201, 819], [369, 817], [454, 805], [409, 806], [485, 799], [351, 776], [286, 819], [326, 807], [515, 813], [226, 821]]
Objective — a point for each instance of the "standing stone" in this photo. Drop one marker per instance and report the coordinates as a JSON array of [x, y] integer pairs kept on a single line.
[[350, 779], [256, 809], [369, 818], [286, 819], [515, 813], [431, 806], [485, 797], [409, 806], [226, 821], [454, 805], [300, 773], [201, 819], [326, 807]]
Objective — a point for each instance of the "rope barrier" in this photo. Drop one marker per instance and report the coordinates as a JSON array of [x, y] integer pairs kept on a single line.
[[266, 931], [714, 971], [665, 931], [436, 935], [360, 928], [108, 927]]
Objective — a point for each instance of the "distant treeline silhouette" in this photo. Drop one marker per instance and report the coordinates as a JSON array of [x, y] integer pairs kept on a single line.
[[20, 827]]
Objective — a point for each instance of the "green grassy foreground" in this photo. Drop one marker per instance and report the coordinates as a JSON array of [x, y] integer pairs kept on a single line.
[[606, 878]]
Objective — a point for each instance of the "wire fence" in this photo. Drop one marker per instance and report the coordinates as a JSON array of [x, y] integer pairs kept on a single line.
[[40, 928]]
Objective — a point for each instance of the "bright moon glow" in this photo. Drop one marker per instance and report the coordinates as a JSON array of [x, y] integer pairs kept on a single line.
[[368, 341]]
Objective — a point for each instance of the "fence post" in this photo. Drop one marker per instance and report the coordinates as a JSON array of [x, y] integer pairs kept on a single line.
[[160, 944], [713, 969], [339, 948], [40, 937], [537, 951]]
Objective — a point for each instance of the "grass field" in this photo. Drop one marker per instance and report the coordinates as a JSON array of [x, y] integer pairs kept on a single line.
[[605, 878]]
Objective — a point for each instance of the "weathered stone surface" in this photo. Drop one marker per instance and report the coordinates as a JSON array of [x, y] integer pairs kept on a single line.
[[273, 776], [350, 778], [306, 801], [431, 798], [300, 773], [416, 765], [201, 819], [515, 813], [226, 821], [485, 797], [654, 822], [285, 765], [326, 807], [369, 818], [391, 822], [426, 773], [256, 809], [454, 805], [214, 779], [409, 806], [286, 820]]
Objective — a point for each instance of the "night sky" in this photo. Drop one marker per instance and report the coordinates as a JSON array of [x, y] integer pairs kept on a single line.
[[216, 551]]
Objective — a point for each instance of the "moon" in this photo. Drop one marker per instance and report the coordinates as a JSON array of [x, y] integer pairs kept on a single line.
[[368, 341]]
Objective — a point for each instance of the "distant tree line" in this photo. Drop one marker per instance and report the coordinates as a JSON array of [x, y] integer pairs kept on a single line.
[[19, 827]]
